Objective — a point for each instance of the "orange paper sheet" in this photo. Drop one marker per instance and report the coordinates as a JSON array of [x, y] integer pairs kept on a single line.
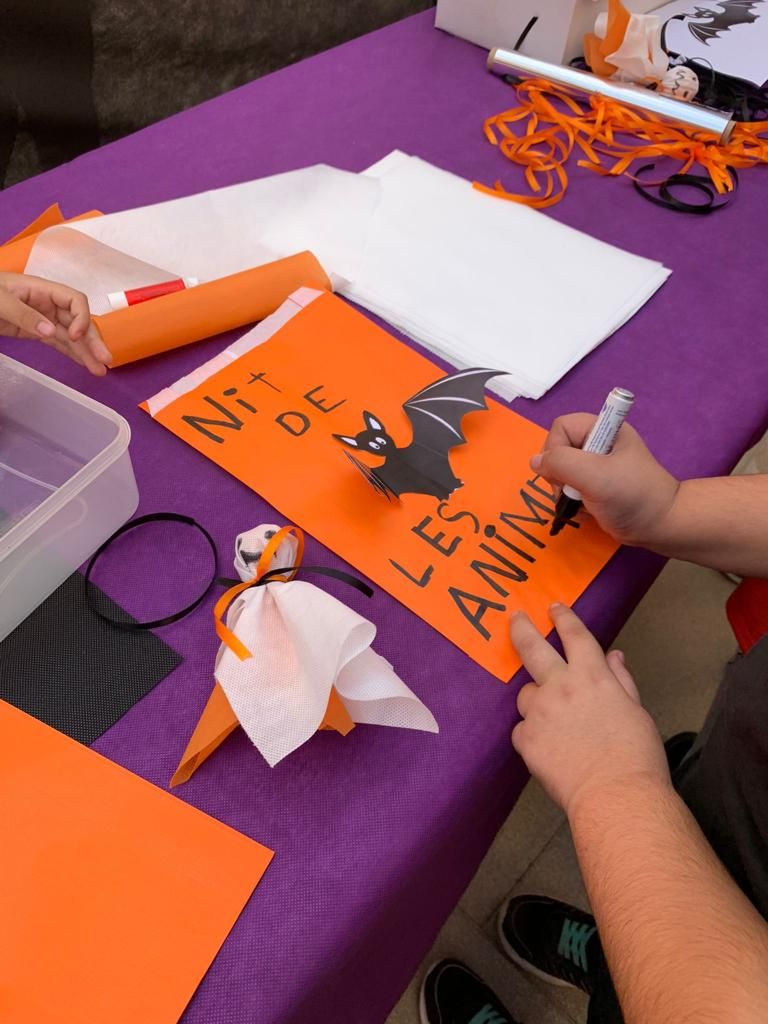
[[115, 896], [187, 316], [218, 721], [463, 564], [15, 252], [195, 313]]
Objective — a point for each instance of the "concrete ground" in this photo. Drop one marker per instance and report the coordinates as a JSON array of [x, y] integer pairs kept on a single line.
[[676, 643]]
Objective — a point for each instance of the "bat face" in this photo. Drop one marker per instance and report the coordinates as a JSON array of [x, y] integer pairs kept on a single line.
[[373, 439], [435, 414]]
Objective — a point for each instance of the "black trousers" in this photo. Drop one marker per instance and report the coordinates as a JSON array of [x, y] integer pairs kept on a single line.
[[724, 782]]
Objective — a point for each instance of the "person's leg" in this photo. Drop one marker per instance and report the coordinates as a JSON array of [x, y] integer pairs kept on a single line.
[[724, 778], [604, 1004]]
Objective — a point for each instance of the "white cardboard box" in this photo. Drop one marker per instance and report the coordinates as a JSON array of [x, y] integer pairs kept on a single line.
[[557, 35]]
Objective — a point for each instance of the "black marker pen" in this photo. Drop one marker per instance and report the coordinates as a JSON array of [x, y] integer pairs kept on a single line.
[[600, 441]]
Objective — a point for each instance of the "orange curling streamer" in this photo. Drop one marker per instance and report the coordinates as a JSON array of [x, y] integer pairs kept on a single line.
[[609, 137]]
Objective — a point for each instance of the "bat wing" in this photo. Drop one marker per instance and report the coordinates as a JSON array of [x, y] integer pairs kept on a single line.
[[436, 412], [731, 12]]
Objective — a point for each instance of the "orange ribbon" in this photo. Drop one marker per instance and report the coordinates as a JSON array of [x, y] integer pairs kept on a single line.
[[551, 134], [225, 634]]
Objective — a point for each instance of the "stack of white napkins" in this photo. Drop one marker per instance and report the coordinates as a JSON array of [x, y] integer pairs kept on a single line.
[[478, 280], [485, 282]]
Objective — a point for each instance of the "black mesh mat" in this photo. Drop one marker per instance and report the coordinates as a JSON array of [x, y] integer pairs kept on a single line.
[[76, 672]]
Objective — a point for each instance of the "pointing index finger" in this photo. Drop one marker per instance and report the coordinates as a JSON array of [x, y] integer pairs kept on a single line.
[[536, 654]]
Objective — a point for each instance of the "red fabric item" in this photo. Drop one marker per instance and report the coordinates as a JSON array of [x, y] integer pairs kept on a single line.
[[747, 610]]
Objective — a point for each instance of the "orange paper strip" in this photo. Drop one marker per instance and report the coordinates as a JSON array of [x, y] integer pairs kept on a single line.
[[218, 721], [115, 895], [463, 564], [178, 319]]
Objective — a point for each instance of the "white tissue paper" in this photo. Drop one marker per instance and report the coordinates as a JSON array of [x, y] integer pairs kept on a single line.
[[485, 282], [478, 280], [640, 58], [303, 642], [217, 233]]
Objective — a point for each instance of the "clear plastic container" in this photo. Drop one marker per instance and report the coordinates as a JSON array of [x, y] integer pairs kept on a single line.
[[66, 484]]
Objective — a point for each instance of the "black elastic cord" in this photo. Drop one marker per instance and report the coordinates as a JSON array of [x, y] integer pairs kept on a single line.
[[152, 517], [515, 79], [319, 570], [524, 34]]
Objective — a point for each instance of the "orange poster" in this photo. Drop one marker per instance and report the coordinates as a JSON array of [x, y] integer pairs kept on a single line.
[[115, 896], [311, 401]]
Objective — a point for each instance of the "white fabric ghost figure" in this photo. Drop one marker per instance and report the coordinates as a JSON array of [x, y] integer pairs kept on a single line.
[[302, 642], [640, 58]]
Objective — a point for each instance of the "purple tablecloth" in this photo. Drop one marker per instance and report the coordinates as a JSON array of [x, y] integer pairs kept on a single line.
[[377, 834]]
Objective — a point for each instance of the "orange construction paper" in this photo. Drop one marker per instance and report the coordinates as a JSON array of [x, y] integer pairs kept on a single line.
[[218, 721], [183, 317], [116, 896], [463, 564], [14, 253], [210, 308], [47, 219], [336, 716]]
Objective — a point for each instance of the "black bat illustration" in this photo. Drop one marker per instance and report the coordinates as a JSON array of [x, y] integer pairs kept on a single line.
[[435, 413], [707, 24]]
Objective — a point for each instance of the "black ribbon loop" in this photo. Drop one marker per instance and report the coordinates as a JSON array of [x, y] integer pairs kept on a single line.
[[701, 183], [152, 517], [174, 517], [274, 576]]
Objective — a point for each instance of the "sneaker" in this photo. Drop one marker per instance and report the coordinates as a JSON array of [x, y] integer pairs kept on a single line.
[[552, 940], [452, 994]]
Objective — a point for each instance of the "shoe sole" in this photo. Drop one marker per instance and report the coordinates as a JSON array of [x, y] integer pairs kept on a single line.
[[523, 964]]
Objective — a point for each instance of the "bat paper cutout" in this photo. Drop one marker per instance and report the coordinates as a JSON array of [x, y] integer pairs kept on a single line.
[[435, 413], [708, 23]]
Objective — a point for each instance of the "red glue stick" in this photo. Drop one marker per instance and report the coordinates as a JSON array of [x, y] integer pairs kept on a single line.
[[120, 300]]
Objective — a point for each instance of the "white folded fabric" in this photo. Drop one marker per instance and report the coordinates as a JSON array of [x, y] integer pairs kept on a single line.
[[484, 282], [302, 642], [213, 234]]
